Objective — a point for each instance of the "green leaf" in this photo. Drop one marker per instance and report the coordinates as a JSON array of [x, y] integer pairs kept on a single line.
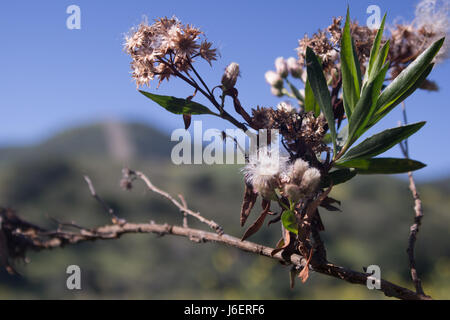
[[320, 89], [289, 221], [357, 65], [311, 104], [380, 60], [349, 66], [337, 177], [342, 136], [380, 114], [381, 142], [295, 92], [408, 77], [177, 105], [365, 107], [376, 47], [382, 165]]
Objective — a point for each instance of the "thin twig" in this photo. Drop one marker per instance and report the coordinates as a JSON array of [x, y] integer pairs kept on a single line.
[[107, 208], [213, 225], [183, 202], [414, 229]]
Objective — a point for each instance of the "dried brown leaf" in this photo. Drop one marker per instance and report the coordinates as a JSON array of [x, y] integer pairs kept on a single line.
[[259, 222], [248, 203]]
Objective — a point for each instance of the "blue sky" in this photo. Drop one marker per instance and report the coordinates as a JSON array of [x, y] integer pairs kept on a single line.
[[52, 78]]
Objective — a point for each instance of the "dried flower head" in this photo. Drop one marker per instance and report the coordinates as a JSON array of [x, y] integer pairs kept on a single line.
[[285, 106], [164, 48]]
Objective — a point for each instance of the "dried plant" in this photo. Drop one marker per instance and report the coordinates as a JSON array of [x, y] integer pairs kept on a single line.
[[352, 74]]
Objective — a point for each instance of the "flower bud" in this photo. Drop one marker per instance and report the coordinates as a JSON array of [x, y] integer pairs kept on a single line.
[[276, 92], [230, 76], [294, 67], [274, 79], [281, 67]]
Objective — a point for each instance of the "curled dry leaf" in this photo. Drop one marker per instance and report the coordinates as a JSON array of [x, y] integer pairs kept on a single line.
[[304, 274], [282, 244], [187, 121], [248, 203], [259, 222]]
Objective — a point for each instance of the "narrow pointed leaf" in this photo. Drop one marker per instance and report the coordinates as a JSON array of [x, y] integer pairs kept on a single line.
[[350, 76], [177, 105], [311, 104], [365, 107], [380, 60], [382, 165], [320, 89], [337, 177], [381, 113], [376, 46], [408, 77], [381, 142]]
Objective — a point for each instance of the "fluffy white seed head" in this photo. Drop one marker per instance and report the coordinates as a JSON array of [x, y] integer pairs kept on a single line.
[[263, 171], [293, 192], [299, 168], [310, 180], [433, 16]]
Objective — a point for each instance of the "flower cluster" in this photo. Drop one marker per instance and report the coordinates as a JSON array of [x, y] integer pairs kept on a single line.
[[407, 41], [267, 171], [165, 48], [283, 68], [301, 131], [302, 182]]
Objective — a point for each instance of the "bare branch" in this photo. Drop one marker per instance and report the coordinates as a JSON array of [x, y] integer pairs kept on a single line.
[[213, 225], [35, 238]]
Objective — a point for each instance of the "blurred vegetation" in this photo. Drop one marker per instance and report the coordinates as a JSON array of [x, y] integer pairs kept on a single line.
[[47, 181]]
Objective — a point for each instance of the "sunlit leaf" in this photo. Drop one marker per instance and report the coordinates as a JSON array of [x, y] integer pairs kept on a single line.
[[408, 77], [381, 142], [289, 221], [177, 105], [349, 67], [382, 165]]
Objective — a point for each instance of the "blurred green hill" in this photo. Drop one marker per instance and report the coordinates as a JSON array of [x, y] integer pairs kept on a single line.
[[46, 180]]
